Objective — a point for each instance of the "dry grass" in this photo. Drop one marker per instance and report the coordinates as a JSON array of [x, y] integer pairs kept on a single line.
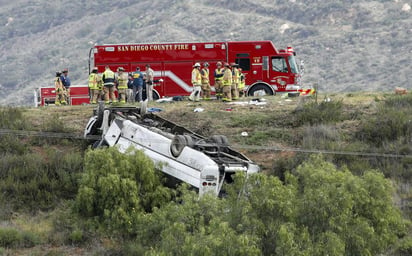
[[231, 119]]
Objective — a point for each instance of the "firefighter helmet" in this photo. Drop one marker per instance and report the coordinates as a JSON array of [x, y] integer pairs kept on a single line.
[[120, 69], [226, 64], [206, 64], [219, 63], [197, 64]]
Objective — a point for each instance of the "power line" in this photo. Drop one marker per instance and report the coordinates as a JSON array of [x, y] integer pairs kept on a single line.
[[321, 151], [47, 134], [237, 146]]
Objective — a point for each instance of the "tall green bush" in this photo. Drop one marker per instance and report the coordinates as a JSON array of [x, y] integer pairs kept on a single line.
[[318, 210], [12, 118], [33, 182], [391, 122], [115, 187]]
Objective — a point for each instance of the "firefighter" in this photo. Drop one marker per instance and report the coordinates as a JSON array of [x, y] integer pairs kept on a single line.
[[122, 80], [149, 82], [138, 84], [95, 86], [65, 81], [235, 81], [129, 91], [196, 82], [205, 81], [108, 78], [218, 74], [227, 83], [242, 81], [60, 90]]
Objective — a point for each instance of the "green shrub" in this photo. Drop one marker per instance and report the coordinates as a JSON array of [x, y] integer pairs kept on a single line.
[[9, 144], [320, 137], [257, 138], [405, 247], [287, 164], [32, 182], [249, 120], [12, 118], [313, 113], [10, 238], [399, 101], [76, 236], [389, 124], [29, 239], [116, 187], [68, 229]]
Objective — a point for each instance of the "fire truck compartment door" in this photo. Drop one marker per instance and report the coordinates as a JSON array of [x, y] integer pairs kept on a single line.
[[177, 78]]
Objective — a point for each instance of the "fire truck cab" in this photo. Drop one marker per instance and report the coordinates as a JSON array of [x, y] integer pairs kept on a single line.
[[266, 69]]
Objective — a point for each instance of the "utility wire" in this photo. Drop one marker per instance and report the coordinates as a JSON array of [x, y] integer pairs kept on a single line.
[[237, 146], [351, 153]]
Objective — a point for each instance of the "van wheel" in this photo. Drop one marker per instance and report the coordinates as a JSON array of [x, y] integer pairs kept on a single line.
[[221, 140], [260, 87], [178, 143], [100, 111], [189, 141]]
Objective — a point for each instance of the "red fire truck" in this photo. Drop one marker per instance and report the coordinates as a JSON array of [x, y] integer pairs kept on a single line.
[[266, 68], [44, 96]]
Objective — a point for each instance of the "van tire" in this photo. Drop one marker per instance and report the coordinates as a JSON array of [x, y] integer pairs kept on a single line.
[[178, 144], [189, 141], [221, 140]]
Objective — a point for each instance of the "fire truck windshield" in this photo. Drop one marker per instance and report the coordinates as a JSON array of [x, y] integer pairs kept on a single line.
[[293, 65]]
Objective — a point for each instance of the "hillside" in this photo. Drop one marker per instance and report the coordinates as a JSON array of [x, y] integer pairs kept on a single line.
[[347, 46], [359, 187]]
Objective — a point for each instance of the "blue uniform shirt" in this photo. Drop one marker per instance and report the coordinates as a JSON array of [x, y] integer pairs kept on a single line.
[[137, 78], [65, 81]]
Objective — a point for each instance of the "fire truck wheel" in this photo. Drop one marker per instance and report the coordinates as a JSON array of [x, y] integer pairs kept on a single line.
[[189, 141], [178, 143], [221, 140], [260, 87]]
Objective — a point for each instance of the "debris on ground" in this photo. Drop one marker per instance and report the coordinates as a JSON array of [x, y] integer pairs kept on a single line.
[[255, 101], [166, 99], [400, 91], [198, 110], [154, 110]]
